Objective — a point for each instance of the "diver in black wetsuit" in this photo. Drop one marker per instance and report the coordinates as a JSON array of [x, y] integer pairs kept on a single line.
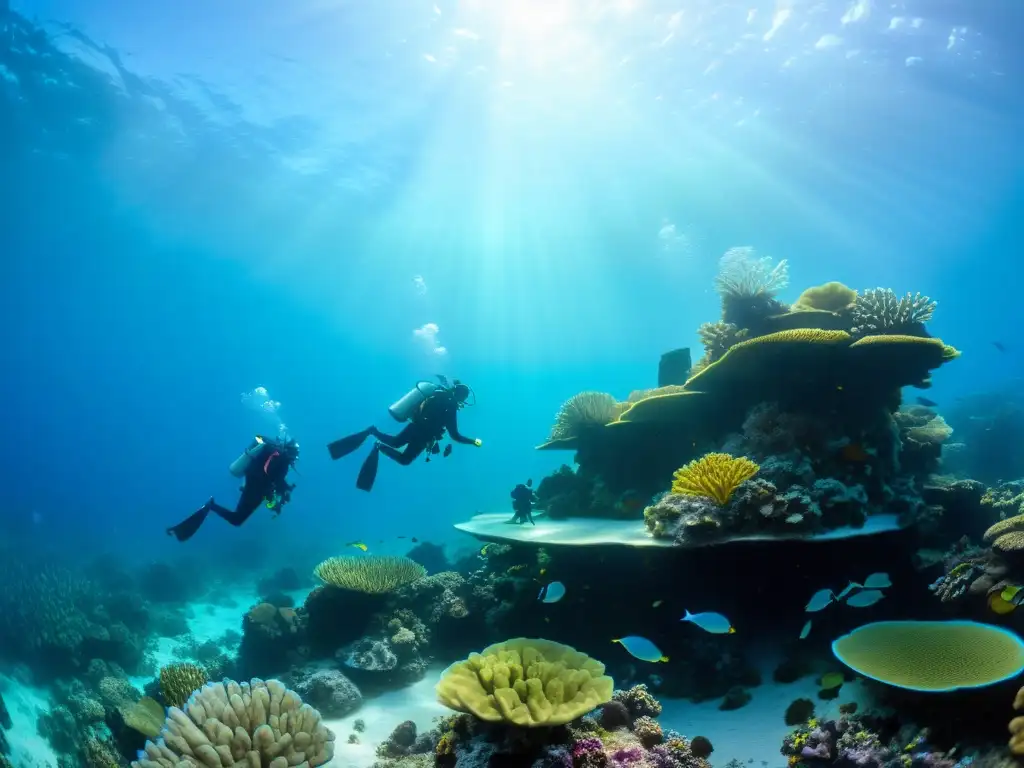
[[523, 499], [431, 410], [264, 465]]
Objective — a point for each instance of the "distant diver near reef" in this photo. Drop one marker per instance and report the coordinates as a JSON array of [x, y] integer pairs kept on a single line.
[[523, 499], [264, 466], [431, 410]]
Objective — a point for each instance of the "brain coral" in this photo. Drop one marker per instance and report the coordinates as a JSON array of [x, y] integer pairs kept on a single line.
[[932, 655], [241, 725], [526, 682]]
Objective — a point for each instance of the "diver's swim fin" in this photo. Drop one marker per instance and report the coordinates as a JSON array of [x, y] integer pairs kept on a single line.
[[368, 472], [187, 528], [346, 445]]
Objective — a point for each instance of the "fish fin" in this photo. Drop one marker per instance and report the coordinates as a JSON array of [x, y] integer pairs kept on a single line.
[[616, 639], [732, 631], [663, 658], [688, 615]]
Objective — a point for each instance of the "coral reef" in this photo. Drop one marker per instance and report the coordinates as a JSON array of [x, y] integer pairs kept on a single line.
[[582, 743], [862, 740], [179, 681], [715, 476], [582, 413], [881, 311], [254, 723]]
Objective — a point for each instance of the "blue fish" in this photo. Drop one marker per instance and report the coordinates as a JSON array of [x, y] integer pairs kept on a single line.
[[877, 581], [641, 648], [715, 623], [819, 601], [806, 630], [865, 598], [551, 593]]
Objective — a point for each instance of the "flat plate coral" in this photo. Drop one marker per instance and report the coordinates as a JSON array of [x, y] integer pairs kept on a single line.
[[586, 531]]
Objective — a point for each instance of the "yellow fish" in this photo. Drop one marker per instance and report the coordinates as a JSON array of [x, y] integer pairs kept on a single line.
[[358, 545], [543, 571], [484, 549]]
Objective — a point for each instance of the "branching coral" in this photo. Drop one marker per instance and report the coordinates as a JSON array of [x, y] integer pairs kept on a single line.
[[248, 724], [178, 681], [742, 274], [373, 574], [880, 311], [525, 682], [582, 412], [717, 338], [714, 475]]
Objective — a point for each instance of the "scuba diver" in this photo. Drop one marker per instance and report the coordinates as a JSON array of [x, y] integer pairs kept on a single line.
[[264, 465], [430, 410], [523, 499]]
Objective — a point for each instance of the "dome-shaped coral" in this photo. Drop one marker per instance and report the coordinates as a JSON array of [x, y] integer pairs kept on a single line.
[[526, 682], [830, 297]]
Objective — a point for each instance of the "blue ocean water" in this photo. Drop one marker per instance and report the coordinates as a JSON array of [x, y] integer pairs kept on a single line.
[[333, 200]]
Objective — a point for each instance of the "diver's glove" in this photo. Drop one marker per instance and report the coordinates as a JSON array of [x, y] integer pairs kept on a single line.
[[478, 442]]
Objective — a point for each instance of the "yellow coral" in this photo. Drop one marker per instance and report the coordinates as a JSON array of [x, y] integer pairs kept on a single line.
[[714, 475], [1017, 726], [1010, 524], [583, 412], [179, 681], [145, 716], [1010, 543], [373, 574], [526, 682], [830, 297]]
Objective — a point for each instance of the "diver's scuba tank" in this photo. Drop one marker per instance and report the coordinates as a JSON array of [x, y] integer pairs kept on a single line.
[[405, 407], [240, 465]]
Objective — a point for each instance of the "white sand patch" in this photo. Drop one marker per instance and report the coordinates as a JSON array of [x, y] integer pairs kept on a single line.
[[28, 748], [755, 732], [417, 703]]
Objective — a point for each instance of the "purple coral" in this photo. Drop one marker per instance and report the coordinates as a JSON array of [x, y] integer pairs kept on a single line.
[[627, 757], [589, 753]]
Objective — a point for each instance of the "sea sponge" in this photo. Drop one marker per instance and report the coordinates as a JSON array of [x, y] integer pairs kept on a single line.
[[932, 655], [241, 724], [526, 682], [829, 297], [714, 475], [583, 412], [373, 574], [178, 681]]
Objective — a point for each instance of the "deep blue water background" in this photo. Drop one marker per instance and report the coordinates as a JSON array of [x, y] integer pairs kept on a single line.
[[163, 254]]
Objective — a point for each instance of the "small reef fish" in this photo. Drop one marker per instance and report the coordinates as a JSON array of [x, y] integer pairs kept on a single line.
[[551, 593], [656, 603], [485, 549], [806, 630], [877, 581], [831, 680], [1013, 594], [1000, 606], [714, 623], [358, 545], [819, 601], [641, 648], [999, 345], [865, 598], [926, 402]]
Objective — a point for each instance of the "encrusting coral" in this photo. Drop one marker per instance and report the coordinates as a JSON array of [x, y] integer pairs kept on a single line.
[[373, 574], [241, 724], [525, 682]]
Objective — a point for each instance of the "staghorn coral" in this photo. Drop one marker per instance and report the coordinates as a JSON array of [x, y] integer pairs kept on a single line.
[[583, 412], [714, 475], [525, 682], [742, 274], [717, 338], [179, 681], [251, 724], [881, 311], [372, 574]]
